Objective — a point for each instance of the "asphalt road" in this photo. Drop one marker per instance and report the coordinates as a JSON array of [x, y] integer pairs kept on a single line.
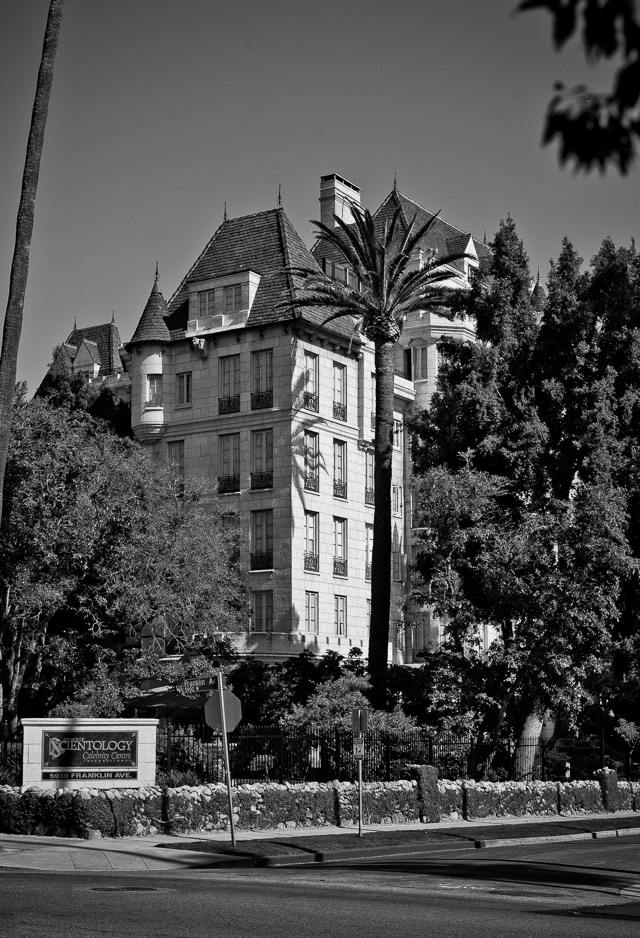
[[516, 892]]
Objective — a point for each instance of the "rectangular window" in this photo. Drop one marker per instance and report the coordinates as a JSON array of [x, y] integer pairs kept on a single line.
[[339, 391], [373, 400], [310, 396], [184, 388], [339, 468], [396, 499], [311, 462], [232, 298], [340, 614], [206, 303], [229, 458], [262, 539], [229, 402], [369, 491], [154, 390], [176, 457], [262, 459], [420, 371], [262, 379], [311, 604], [311, 540], [369, 550], [340, 547], [397, 434], [262, 618]]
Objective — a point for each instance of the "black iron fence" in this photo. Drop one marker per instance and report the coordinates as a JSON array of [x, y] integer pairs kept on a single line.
[[193, 755], [324, 754]]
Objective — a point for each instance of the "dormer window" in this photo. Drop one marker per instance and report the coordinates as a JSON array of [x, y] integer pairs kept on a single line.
[[233, 297], [206, 303], [221, 302]]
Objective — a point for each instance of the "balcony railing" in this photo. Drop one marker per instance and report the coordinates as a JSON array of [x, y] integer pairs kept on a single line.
[[262, 480], [228, 484], [261, 400], [262, 560], [339, 488], [369, 496], [373, 419], [340, 567], [367, 571], [229, 405], [339, 411], [310, 401], [311, 561], [311, 482]]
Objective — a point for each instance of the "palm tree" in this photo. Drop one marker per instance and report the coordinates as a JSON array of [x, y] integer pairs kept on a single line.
[[24, 228], [390, 286]]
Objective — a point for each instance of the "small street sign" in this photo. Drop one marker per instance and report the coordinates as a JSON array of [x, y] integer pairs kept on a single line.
[[232, 711], [359, 720], [358, 748], [199, 685]]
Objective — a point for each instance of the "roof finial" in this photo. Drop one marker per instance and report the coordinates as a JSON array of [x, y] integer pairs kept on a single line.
[[113, 315], [484, 240], [395, 182], [75, 323], [224, 217], [279, 196]]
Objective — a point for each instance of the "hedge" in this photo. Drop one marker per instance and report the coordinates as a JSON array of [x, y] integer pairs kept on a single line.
[[268, 806]]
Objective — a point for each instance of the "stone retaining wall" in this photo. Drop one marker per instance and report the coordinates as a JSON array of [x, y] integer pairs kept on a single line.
[[267, 806]]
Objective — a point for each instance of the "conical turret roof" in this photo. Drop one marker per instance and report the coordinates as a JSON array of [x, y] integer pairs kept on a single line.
[[538, 296], [152, 326]]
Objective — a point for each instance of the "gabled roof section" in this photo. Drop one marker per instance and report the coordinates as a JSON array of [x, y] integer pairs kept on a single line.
[[152, 327], [266, 243], [443, 237], [106, 339]]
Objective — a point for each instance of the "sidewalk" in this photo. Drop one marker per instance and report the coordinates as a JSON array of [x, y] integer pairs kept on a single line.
[[166, 853]]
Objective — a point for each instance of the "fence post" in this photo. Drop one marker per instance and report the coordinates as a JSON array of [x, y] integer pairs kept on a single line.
[[337, 754], [431, 750], [509, 762], [168, 744], [387, 757], [473, 759], [542, 760]]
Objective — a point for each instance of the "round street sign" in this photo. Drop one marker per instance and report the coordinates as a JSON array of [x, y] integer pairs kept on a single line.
[[232, 711]]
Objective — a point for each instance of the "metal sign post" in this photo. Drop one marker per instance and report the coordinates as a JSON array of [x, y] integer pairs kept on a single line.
[[360, 795], [225, 749], [360, 721]]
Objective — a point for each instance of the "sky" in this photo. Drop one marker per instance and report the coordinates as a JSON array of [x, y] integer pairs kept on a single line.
[[162, 111]]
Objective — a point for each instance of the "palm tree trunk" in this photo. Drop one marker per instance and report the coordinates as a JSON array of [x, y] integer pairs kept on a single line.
[[24, 228], [381, 554]]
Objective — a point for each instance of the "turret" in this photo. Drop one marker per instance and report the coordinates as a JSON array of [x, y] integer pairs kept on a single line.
[[147, 349]]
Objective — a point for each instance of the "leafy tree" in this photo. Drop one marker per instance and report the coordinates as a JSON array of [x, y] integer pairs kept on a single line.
[[332, 702], [547, 580], [24, 228], [101, 546], [596, 128], [389, 288]]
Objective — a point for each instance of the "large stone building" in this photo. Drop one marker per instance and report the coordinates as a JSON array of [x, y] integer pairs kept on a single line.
[[278, 408]]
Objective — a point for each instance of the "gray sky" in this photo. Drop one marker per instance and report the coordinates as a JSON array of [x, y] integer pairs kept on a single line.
[[162, 110]]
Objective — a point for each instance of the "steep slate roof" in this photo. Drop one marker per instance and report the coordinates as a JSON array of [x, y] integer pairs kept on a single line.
[[152, 326], [92, 349], [266, 243], [107, 340], [443, 236]]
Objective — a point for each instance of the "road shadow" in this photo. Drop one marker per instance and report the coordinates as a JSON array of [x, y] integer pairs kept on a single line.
[[526, 872]]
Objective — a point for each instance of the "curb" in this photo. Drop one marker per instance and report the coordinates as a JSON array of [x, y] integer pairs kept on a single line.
[[413, 850]]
